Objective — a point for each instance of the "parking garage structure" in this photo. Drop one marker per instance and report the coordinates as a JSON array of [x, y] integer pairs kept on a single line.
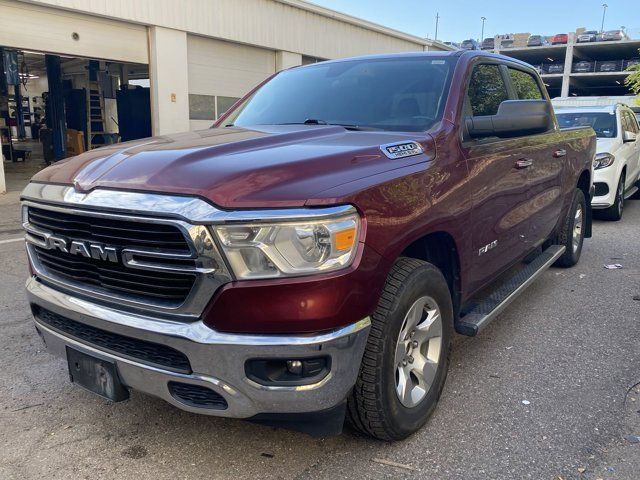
[[581, 69]]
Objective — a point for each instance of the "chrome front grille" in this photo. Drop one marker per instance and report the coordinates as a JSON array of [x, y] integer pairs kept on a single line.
[[116, 232], [133, 262]]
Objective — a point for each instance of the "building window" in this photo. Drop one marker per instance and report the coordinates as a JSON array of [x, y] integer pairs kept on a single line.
[[202, 107], [225, 103]]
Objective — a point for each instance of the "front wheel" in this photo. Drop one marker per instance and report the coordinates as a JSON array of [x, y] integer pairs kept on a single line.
[[572, 234], [407, 354], [614, 212]]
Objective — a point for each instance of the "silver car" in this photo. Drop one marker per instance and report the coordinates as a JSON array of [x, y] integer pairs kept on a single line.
[[612, 35]]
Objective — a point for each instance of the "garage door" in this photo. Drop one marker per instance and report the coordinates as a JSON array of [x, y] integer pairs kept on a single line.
[[31, 27], [221, 72]]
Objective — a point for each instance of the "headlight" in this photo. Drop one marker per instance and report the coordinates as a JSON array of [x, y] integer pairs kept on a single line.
[[290, 248], [603, 160]]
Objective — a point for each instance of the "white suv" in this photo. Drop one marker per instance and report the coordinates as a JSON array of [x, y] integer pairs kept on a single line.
[[616, 170]]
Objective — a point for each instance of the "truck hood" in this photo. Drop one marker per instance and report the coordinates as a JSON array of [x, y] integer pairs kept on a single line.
[[270, 166]]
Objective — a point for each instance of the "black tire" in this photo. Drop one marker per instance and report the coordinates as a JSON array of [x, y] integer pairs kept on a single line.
[[374, 408], [614, 212], [571, 255]]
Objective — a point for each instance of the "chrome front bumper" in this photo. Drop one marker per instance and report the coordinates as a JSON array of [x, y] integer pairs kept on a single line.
[[217, 359]]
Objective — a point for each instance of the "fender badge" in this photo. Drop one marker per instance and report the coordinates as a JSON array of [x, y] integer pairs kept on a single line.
[[401, 149]]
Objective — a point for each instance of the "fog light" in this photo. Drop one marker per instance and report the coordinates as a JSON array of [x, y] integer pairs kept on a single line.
[[292, 372], [294, 367]]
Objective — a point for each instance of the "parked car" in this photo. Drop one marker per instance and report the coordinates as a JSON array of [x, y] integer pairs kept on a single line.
[[453, 44], [583, 67], [248, 269], [488, 44], [588, 36], [636, 111], [559, 39], [555, 68], [617, 164], [608, 66], [470, 44], [537, 41], [632, 62], [612, 35]]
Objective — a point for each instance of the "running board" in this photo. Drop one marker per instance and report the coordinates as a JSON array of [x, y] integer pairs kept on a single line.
[[488, 308], [630, 192]]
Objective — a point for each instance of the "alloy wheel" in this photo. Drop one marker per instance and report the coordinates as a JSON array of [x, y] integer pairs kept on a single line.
[[418, 351]]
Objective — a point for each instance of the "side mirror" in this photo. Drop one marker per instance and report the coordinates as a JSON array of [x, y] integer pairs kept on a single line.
[[514, 118], [629, 137]]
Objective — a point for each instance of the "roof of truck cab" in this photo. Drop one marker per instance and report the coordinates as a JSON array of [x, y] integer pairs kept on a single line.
[[435, 54]]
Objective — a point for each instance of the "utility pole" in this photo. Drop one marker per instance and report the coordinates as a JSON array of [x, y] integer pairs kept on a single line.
[[604, 12], [437, 18], [482, 34]]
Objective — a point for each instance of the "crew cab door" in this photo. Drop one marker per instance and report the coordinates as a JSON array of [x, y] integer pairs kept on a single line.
[[498, 184], [545, 155]]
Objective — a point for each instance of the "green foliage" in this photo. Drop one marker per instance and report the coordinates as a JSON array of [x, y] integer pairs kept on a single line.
[[633, 80]]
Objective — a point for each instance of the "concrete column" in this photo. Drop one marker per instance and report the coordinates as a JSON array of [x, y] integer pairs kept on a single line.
[[286, 60], [568, 63], [168, 75]]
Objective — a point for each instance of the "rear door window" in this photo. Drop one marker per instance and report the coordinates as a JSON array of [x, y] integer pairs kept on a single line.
[[525, 85], [487, 90]]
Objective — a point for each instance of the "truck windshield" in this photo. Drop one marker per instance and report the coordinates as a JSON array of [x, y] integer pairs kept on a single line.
[[603, 123], [397, 94]]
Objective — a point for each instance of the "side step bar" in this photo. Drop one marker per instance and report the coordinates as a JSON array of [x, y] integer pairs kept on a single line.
[[490, 307], [629, 193]]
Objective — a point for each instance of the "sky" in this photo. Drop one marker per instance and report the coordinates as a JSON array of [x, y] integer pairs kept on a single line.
[[461, 19]]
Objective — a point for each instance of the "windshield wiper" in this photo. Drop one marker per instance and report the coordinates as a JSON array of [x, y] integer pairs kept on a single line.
[[316, 121]]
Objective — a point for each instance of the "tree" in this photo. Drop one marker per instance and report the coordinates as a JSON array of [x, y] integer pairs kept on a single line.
[[633, 80]]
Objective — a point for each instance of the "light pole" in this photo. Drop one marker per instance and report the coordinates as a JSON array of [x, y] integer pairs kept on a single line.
[[482, 34], [437, 18], [604, 12]]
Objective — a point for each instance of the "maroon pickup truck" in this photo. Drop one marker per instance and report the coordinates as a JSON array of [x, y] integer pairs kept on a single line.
[[311, 255]]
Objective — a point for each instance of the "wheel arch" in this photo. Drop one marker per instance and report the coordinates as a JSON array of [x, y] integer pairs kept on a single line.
[[584, 184], [440, 249]]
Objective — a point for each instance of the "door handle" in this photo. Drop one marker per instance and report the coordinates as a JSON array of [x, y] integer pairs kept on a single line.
[[559, 153], [523, 163]]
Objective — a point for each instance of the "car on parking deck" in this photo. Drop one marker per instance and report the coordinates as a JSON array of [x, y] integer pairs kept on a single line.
[[583, 66], [612, 35], [470, 44], [537, 41], [555, 68], [311, 255], [559, 39], [617, 164], [488, 43], [609, 66], [588, 36]]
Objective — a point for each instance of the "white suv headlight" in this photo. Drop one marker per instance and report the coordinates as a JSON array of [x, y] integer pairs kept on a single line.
[[290, 248], [603, 160]]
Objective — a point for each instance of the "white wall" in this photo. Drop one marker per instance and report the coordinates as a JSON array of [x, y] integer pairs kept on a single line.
[[223, 69], [308, 29], [32, 27]]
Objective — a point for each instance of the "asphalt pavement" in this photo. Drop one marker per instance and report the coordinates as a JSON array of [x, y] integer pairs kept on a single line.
[[549, 390]]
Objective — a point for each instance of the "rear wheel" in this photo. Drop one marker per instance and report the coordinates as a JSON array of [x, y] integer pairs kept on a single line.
[[407, 354], [572, 234], [614, 212]]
